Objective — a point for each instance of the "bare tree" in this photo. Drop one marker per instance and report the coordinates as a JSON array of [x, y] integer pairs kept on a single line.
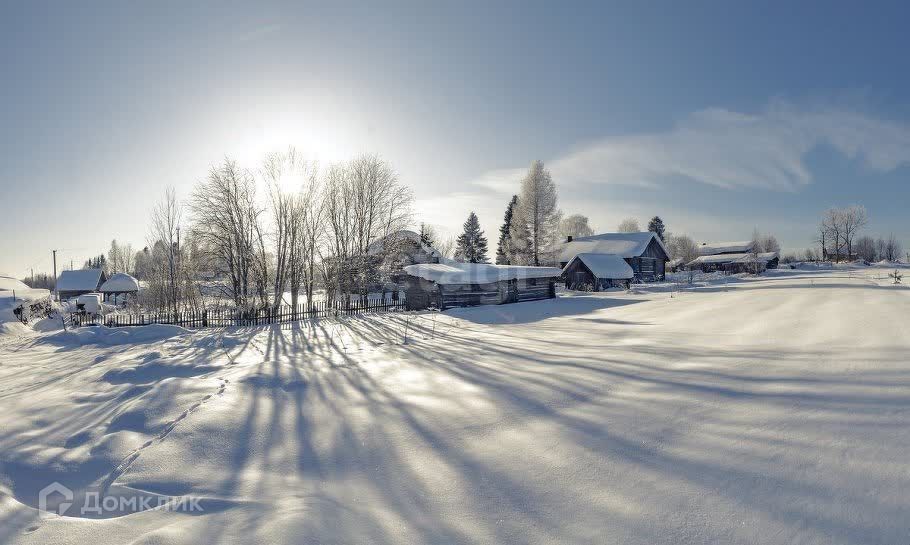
[[292, 184], [165, 237], [628, 225], [853, 219], [364, 202], [764, 242], [682, 247], [226, 218]]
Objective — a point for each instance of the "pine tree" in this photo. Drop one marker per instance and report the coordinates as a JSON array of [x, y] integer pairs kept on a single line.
[[427, 235], [656, 226], [472, 245], [520, 249], [503, 248]]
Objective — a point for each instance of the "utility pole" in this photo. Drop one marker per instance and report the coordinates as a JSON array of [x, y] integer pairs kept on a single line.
[[56, 296]]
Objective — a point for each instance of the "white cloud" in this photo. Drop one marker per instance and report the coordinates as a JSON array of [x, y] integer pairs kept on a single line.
[[729, 149]]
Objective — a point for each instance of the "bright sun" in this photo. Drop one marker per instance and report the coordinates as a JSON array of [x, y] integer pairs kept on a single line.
[[316, 138]]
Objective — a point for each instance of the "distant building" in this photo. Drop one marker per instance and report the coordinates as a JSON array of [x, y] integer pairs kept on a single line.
[[74, 283], [451, 284], [644, 252], [733, 257], [597, 272]]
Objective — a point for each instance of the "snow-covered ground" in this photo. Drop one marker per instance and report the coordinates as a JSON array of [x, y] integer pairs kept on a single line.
[[755, 410]]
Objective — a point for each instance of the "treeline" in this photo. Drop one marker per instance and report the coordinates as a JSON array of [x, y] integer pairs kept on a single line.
[[248, 236], [839, 239]]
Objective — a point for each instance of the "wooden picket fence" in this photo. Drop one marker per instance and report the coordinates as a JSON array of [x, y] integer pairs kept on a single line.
[[251, 317]]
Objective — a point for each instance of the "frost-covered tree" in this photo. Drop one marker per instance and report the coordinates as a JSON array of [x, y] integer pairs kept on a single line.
[[537, 211], [656, 225], [575, 225], [681, 247], [628, 225], [865, 248], [763, 242], [504, 246], [120, 257], [472, 245]]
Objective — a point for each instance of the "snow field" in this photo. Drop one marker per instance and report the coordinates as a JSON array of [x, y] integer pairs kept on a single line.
[[760, 410]]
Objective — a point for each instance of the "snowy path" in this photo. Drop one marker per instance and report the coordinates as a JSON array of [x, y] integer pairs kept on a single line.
[[772, 410]]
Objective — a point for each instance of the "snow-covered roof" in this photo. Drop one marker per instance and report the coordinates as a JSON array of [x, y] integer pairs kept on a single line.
[[379, 245], [8, 283], [712, 248], [621, 244], [734, 258], [81, 280], [605, 265], [120, 283], [477, 273]]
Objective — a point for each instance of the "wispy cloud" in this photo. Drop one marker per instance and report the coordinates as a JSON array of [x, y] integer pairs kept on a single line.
[[729, 149]]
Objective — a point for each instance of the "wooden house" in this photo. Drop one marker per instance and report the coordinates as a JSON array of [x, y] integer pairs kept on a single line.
[[74, 283], [450, 284], [735, 262], [644, 252], [595, 272]]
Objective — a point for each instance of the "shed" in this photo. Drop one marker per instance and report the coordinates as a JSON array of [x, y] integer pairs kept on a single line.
[[735, 263], [644, 252], [452, 284], [119, 284], [596, 272], [75, 283]]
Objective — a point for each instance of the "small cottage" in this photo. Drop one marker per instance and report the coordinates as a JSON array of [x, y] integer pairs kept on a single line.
[[450, 284], [595, 272], [74, 283], [644, 252]]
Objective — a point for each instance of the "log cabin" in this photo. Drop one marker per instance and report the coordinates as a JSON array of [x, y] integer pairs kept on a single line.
[[450, 284], [644, 252]]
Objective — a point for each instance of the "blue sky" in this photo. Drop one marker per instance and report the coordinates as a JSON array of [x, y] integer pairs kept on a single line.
[[718, 116]]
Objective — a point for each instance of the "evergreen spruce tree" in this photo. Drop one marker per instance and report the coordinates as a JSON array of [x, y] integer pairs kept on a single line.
[[472, 245], [427, 235], [503, 248], [656, 225]]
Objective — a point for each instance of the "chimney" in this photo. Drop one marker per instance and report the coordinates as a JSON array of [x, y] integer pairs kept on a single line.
[[569, 238]]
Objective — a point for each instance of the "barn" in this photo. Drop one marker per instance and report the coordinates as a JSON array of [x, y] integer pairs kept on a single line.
[[595, 272], [450, 284], [644, 252], [73, 283]]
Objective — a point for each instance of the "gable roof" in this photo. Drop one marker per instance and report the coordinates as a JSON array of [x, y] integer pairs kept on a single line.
[[624, 245], [81, 280], [605, 266], [477, 273], [713, 248], [120, 283]]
